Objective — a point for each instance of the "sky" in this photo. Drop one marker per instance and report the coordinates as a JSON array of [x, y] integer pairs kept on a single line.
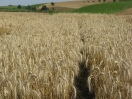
[[26, 2]]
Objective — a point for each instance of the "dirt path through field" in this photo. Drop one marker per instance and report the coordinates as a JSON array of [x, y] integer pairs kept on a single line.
[[125, 12]]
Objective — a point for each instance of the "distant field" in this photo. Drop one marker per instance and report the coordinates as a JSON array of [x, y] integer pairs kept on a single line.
[[65, 56], [71, 5], [106, 8], [13, 8], [89, 6], [125, 12], [37, 5]]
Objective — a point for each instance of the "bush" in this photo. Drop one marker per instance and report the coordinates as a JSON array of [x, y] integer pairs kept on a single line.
[[52, 3], [34, 8], [28, 7], [44, 8]]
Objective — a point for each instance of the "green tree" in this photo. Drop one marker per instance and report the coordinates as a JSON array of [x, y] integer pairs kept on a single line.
[[44, 8], [19, 7], [52, 4], [28, 7]]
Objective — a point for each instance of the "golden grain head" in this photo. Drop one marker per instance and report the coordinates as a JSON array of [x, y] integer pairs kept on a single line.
[[40, 59]]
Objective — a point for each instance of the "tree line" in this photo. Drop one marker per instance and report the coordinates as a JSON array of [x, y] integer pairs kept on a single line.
[[33, 8]]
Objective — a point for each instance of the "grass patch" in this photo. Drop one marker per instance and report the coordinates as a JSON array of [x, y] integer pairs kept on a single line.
[[105, 8], [12, 8]]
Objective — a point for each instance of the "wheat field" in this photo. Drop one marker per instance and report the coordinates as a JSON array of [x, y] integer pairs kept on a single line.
[[65, 56]]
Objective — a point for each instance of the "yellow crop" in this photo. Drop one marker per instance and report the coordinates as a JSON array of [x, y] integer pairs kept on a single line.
[[46, 56]]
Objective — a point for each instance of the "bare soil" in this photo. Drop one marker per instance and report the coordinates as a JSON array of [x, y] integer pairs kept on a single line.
[[125, 12]]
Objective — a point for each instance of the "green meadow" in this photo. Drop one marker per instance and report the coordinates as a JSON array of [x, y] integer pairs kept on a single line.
[[105, 8], [14, 8]]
